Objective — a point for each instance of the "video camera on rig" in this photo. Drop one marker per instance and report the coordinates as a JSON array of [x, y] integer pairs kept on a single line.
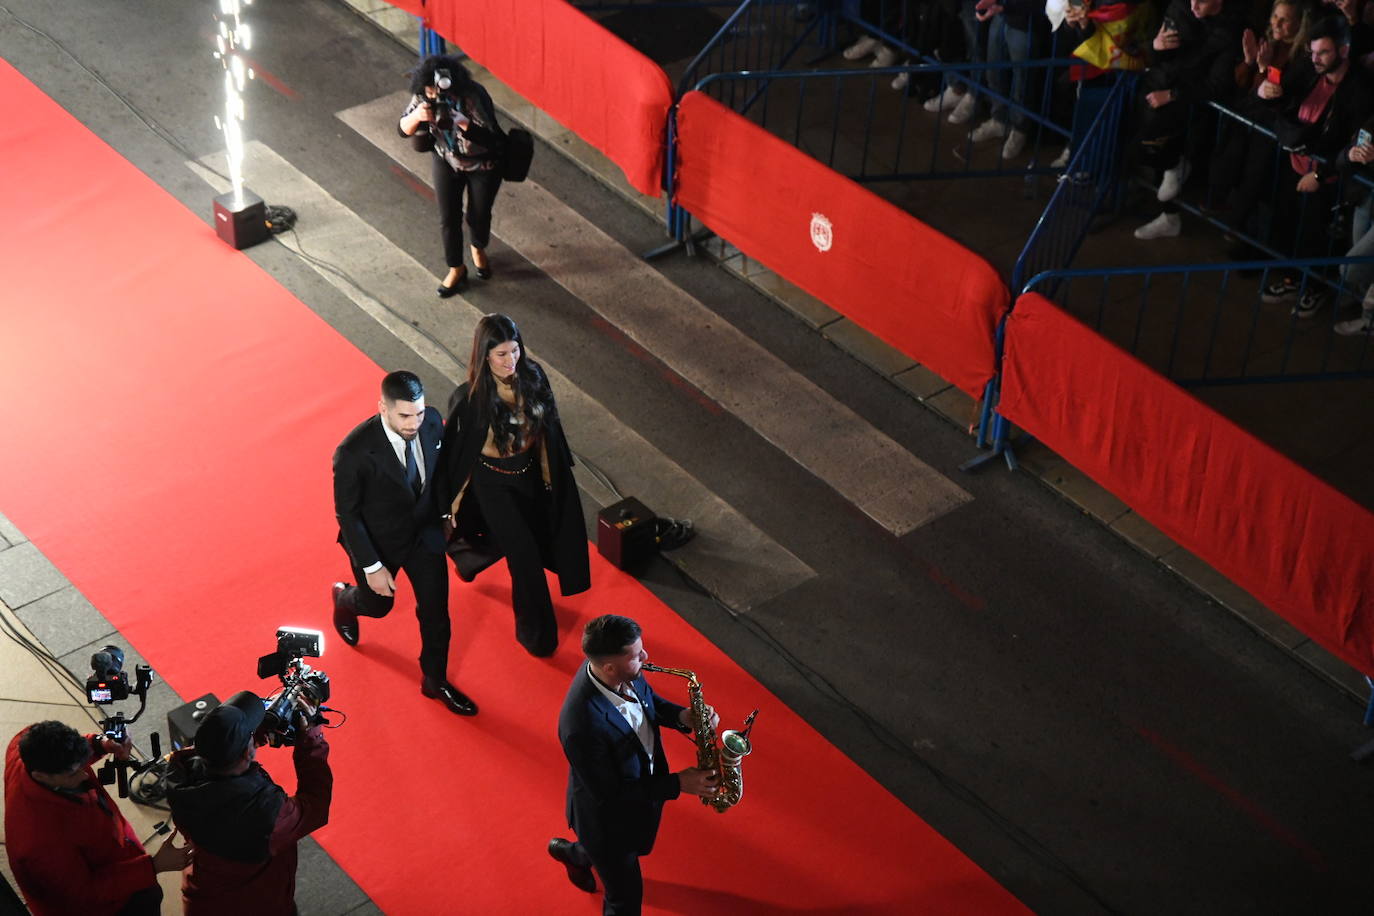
[[109, 683], [441, 105], [298, 681]]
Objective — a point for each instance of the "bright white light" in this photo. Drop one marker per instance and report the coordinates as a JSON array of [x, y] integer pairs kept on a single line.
[[232, 39]]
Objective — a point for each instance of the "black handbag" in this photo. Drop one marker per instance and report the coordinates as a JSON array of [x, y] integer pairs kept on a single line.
[[515, 164]]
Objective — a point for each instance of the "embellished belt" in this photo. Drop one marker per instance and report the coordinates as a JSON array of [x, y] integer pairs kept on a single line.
[[487, 463]]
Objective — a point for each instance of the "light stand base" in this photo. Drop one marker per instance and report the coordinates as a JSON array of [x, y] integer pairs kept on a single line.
[[241, 221]]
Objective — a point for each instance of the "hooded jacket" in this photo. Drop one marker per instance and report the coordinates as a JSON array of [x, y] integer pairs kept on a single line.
[[72, 852]]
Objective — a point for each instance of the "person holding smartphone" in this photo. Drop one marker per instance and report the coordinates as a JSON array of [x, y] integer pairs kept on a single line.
[[1193, 60], [449, 108], [1357, 280], [1242, 169]]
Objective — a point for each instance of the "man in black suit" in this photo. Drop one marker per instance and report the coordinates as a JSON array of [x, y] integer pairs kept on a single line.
[[388, 521], [619, 777]]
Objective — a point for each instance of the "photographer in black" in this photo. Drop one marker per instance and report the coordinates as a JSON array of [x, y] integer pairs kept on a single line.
[[242, 826], [450, 114], [71, 848]]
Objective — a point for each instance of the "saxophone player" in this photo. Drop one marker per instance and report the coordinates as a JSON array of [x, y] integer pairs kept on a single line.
[[619, 777]]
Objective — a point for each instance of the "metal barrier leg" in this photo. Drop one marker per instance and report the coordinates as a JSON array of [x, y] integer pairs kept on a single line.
[[1366, 750]]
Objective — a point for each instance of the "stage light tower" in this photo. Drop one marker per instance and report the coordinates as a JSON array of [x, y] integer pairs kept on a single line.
[[240, 215]]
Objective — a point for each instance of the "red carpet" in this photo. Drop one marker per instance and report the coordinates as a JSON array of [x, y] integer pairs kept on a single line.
[[171, 415]]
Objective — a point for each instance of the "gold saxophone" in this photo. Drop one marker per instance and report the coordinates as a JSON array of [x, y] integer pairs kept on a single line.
[[724, 757]]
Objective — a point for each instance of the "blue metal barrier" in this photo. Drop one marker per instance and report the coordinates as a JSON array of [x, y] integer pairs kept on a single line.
[[611, 5], [760, 35], [831, 116], [1210, 324], [1088, 183]]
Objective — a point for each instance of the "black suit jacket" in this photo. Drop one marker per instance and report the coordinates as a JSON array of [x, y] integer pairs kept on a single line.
[[614, 803], [379, 516]]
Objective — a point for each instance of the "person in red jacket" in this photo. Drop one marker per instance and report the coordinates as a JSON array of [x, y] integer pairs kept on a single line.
[[71, 848], [242, 826]]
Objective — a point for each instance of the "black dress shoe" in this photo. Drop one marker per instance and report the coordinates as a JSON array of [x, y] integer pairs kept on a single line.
[[579, 871], [456, 701], [345, 622], [458, 286]]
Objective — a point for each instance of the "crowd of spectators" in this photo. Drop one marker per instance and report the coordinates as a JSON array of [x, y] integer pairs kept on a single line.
[[1280, 163]]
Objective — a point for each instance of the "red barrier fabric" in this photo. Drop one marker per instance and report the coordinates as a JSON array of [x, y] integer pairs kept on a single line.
[[1296, 544], [891, 274], [574, 70]]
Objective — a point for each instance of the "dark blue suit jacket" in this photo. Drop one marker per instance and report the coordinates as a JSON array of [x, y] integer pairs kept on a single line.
[[614, 803]]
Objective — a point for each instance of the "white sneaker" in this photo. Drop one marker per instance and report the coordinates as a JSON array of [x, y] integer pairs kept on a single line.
[[1015, 145], [885, 57], [963, 112], [1173, 181], [861, 48], [1062, 160], [991, 129], [899, 82], [1356, 326], [938, 103], [1163, 226]]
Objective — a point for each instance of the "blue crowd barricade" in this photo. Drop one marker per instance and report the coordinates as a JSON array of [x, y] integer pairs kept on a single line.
[[1089, 181], [1248, 166], [759, 35], [1213, 324], [833, 114], [593, 6]]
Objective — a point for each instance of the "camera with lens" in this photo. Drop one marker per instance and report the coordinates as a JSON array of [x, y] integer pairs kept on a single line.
[[441, 106], [108, 683], [298, 682]]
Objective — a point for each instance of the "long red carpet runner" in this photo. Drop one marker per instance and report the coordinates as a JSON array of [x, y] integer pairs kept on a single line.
[[170, 416]]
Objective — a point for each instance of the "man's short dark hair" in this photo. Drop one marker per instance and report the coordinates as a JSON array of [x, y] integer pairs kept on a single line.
[[1333, 27], [52, 747], [402, 386], [608, 635]]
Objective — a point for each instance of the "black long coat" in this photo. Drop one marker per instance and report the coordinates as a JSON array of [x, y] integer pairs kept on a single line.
[[565, 552]]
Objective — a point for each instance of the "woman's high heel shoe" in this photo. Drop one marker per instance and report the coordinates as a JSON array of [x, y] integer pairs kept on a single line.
[[458, 285], [480, 262]]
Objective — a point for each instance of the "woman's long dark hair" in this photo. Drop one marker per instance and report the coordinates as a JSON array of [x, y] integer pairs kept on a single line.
[[532, 390]]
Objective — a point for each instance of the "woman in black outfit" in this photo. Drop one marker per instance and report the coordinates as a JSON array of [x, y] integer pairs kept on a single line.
[[507, 478], [468, 143]]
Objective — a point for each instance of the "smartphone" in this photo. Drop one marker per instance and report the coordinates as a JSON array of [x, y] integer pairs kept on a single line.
[[1170, 25], [1363, 138], [1273, 75]]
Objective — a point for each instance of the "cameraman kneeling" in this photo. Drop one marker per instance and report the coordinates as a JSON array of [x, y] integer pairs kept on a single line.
[[242, 826], [71, 849]]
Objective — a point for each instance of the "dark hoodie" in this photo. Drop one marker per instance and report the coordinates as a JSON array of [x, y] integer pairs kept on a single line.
[[245, 828], [1202, 67]]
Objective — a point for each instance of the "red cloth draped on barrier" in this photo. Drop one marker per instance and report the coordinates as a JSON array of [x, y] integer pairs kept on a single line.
[[891, 274], [574, 70], [1302, 548]]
